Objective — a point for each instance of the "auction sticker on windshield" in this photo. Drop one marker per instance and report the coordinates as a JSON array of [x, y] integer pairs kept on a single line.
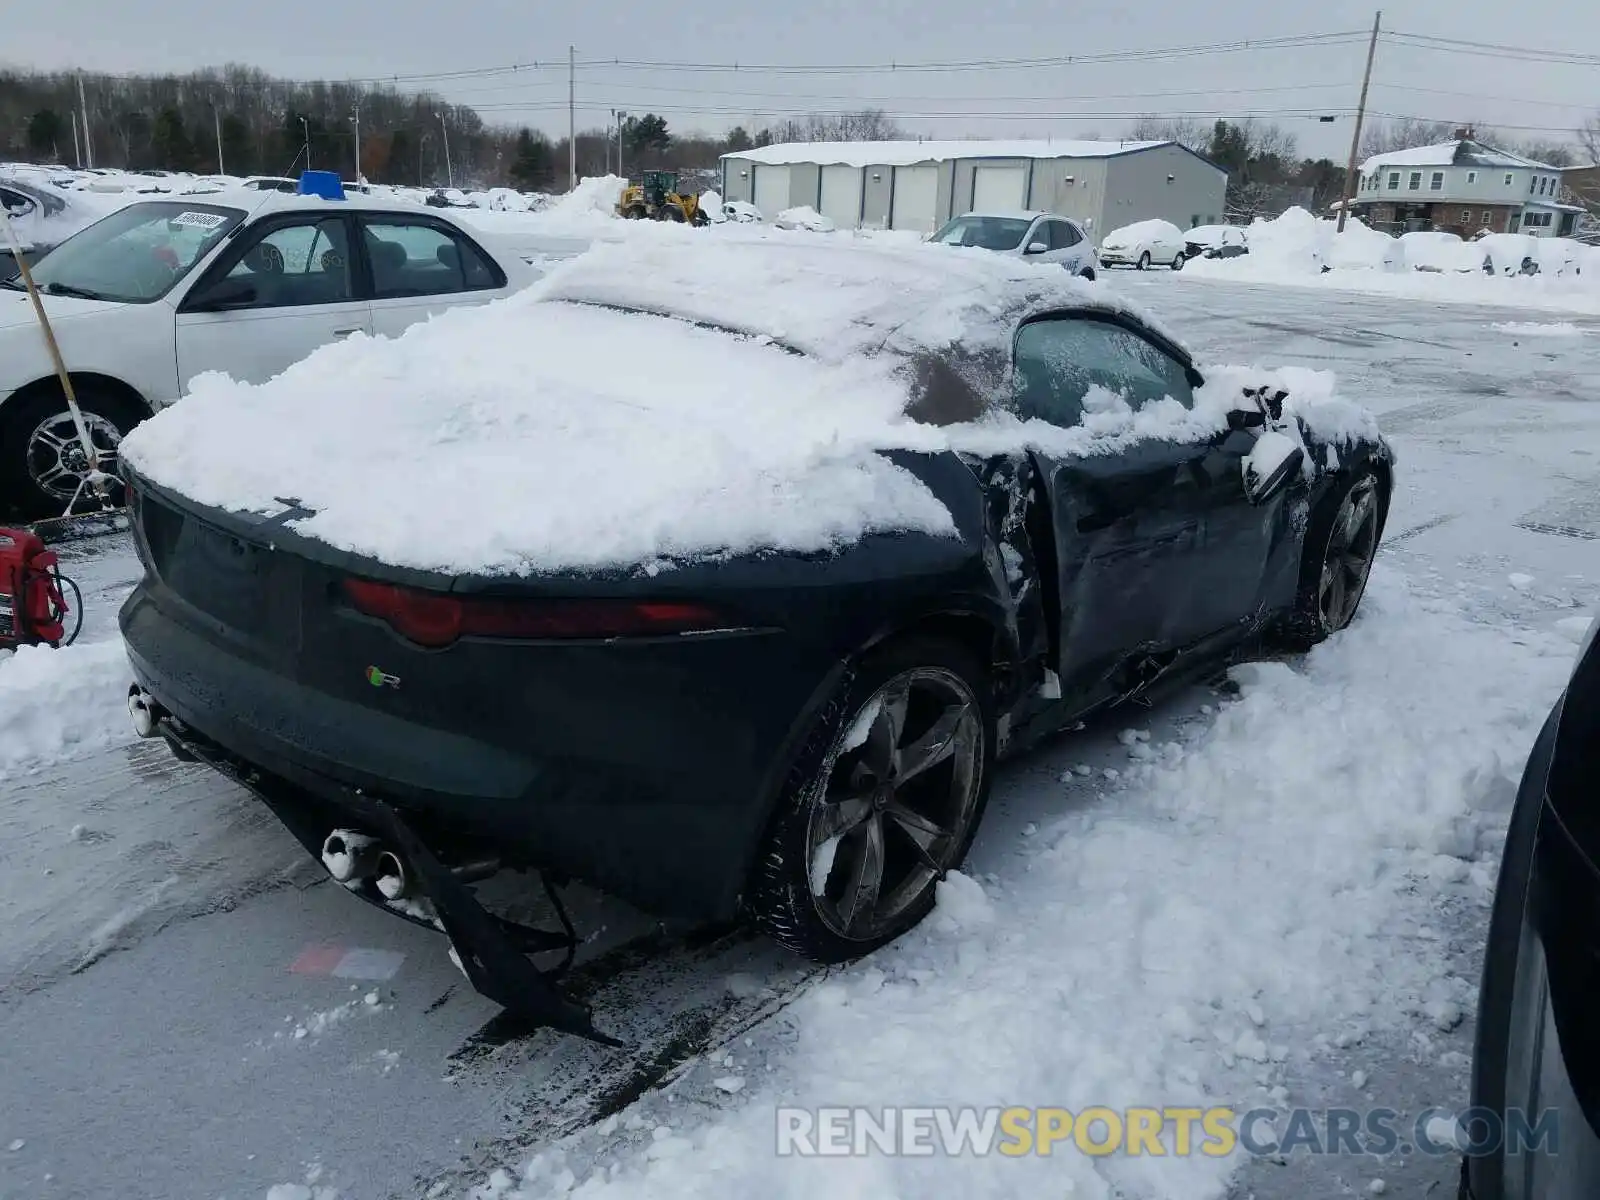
[[204, 220]]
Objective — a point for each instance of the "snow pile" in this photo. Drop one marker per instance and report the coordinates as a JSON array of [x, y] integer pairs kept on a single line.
[[59, 703], [711, 205], [1152, 948], [1301, 250], [597, 195], [804, 217], [584, 455]]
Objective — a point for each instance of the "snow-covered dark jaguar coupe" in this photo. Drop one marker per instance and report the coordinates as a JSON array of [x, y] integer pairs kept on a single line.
[[717, 573]]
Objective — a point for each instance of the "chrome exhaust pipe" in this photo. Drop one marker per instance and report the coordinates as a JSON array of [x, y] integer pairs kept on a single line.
[[146, 712], [390, 874], [349, 855]]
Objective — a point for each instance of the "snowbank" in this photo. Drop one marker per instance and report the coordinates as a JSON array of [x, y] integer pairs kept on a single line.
[[1301, 250], [57, 703], [1259, 885]]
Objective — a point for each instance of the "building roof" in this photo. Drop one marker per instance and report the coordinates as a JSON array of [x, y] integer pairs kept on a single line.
[[905, 153], [1458, 152]]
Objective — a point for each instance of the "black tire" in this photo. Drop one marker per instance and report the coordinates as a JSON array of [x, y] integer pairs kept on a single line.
[[110, 417], [1178, 260], [781, 899], [1308, 622], [635, 212], [671, 213], [1087, 273], [1144, 262]]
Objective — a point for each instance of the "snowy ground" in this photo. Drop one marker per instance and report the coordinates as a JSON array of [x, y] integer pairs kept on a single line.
[[1275, 897]]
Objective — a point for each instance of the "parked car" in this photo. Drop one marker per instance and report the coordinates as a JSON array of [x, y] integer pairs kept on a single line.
[[1216, 241], [1038, 236], [247, 283], [1538, 1044], [39, 216], [803, 736], [271, 183], [742, 212], [1145, 244]]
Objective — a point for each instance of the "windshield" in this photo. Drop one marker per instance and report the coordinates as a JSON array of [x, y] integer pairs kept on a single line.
[[137, 253], [987, 233]]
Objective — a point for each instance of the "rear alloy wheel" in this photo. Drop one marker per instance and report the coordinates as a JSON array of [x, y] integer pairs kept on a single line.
[[1341, 543], [1144, 261], [1178, 260], [883, 804]]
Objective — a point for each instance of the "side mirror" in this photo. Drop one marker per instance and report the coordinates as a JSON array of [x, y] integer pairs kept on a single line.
[[1036, 248], [223, 295], [1240, 419], [1276, 459]]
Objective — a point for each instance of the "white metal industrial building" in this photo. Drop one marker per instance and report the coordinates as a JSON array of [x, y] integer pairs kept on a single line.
[[920, 185]]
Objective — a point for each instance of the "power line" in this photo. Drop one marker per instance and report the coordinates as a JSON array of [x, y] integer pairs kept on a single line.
[[1423, 41], [1296, 41]]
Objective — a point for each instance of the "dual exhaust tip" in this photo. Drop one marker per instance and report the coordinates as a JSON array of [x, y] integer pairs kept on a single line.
[[352, 857]]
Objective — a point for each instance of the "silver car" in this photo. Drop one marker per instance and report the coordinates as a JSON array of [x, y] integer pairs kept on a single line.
[[1042, 237]]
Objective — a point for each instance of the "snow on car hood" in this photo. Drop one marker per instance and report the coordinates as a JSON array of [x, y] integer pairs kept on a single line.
[[538, 434]]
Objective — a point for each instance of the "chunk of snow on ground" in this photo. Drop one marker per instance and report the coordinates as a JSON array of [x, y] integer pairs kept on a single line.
[[16, 1145], [961, 901], [1575, 628], [1164, 913], [1532, 329], [1520, 582], [56, 704], [1377, 1187], [729, 1083], [1358, 1079]]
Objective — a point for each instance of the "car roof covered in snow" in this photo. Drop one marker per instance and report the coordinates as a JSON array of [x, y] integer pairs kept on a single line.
[[832, 297], [904, 153]]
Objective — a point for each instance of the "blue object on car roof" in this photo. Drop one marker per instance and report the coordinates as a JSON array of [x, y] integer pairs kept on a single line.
[[321, 183]]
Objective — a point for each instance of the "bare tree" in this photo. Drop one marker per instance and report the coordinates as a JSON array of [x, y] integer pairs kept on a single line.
[[868, 125], [1385, 137], [1589, 138], [1184, 130]]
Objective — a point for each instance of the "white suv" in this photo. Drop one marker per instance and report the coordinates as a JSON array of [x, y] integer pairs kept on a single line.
[[1037, 236], [247, 282]]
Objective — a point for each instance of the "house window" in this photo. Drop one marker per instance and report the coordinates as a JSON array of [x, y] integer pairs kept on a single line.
[[1511, 225], [1472, 177], [1487, 216], [1508, 178], [1436, 182], [1533, 184], [1414, 183], [1466, 216], [1394, 180]]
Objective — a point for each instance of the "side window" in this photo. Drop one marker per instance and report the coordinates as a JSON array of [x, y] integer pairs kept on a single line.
[[1066, 366], [289, 266], [15, 203], [1063, 236], [418, 258]]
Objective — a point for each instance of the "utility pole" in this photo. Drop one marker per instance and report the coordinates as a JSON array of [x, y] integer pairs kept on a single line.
[[358, 141], [572, 119], [622, 120], [306, 129], [77, 145], [449, 171], [1361, 113], [88, 142], [216, 120]]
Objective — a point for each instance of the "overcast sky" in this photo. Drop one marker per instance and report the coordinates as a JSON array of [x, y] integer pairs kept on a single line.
[[343, 39]]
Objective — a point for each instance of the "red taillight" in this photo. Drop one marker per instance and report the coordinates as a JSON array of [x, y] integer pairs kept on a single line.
[[436, 619]]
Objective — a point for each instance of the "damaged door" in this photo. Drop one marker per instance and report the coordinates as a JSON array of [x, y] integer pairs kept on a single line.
[[1132, 525]]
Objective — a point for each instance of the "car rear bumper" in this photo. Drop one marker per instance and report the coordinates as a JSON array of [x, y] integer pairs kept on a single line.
[[647, 768]]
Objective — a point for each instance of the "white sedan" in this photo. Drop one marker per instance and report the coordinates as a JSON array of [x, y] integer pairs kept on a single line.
[[244, 282], [1145, 244]]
